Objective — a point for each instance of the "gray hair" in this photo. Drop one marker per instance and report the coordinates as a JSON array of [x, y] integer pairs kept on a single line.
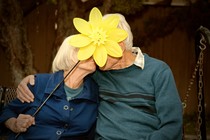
[[123, 24]]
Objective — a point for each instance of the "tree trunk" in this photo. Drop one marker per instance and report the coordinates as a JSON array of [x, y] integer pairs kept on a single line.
[[13, 40]]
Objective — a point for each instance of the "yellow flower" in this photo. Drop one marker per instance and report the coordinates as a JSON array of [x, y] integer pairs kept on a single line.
[[98, 37]]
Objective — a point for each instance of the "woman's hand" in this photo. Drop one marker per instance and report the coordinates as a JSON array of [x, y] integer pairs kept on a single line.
[[21, 123], [23, 92]]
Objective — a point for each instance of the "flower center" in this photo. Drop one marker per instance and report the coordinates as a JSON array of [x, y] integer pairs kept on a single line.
[[98, 37]]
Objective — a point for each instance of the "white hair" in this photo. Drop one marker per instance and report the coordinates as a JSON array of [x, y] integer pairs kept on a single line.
[[123, 24], [66, 57]]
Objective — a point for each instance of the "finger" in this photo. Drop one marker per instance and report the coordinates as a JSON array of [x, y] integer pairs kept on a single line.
[[28, 120], [24, 93], [27, 91], [21, 97], [22, 129], [24, 116], [24, 124], [28, 79], [31, 80], [19, 127], [32, 120]]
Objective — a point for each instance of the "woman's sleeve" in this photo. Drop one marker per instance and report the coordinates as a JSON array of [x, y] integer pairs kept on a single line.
[[12, 109]]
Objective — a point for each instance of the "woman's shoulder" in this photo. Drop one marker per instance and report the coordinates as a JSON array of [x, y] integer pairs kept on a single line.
[[42, 75], [41, 80], [45, 77]]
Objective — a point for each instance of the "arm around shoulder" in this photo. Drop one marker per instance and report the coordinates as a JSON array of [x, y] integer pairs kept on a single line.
[[23, 92]]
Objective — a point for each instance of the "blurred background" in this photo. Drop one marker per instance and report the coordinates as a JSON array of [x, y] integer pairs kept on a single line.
[[31, 31]]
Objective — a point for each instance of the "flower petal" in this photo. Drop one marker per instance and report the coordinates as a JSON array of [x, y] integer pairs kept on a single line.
[[117, 35], [113, 49], [86, 52], [79, 40], [111, 22], [100, 56], [101, 32], [82, 26], [95, 17]]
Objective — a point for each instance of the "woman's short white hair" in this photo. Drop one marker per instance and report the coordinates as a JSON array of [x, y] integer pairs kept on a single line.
[[123, 24], [66, 57]]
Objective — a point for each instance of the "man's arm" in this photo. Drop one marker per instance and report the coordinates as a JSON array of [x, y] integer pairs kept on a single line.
[[169, 108], [23, 92]]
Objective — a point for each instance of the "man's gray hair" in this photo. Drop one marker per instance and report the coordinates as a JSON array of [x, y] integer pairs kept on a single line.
[[123, 24]]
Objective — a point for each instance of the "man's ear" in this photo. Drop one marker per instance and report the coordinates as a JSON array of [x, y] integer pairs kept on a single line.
[[122, 45]]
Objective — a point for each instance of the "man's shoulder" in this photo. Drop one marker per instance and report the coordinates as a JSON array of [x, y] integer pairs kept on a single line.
[[155, 63]]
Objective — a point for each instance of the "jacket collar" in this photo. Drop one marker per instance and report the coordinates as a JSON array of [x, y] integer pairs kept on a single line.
[[57, 78]]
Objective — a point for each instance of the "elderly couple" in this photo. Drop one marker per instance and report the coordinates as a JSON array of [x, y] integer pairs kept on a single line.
[[111, 90]]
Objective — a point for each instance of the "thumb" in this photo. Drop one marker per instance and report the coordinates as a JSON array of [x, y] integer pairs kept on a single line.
[[31, 80]]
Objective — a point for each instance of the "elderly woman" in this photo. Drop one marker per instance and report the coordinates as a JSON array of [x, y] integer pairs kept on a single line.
[[71, 111]]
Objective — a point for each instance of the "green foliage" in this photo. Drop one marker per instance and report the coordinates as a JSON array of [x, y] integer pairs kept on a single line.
[[126, 7]]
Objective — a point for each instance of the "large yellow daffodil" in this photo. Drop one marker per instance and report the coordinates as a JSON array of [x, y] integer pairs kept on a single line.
[[98, 38]]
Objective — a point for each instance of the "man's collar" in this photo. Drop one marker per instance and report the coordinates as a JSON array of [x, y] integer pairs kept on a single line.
[[139, 61]]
